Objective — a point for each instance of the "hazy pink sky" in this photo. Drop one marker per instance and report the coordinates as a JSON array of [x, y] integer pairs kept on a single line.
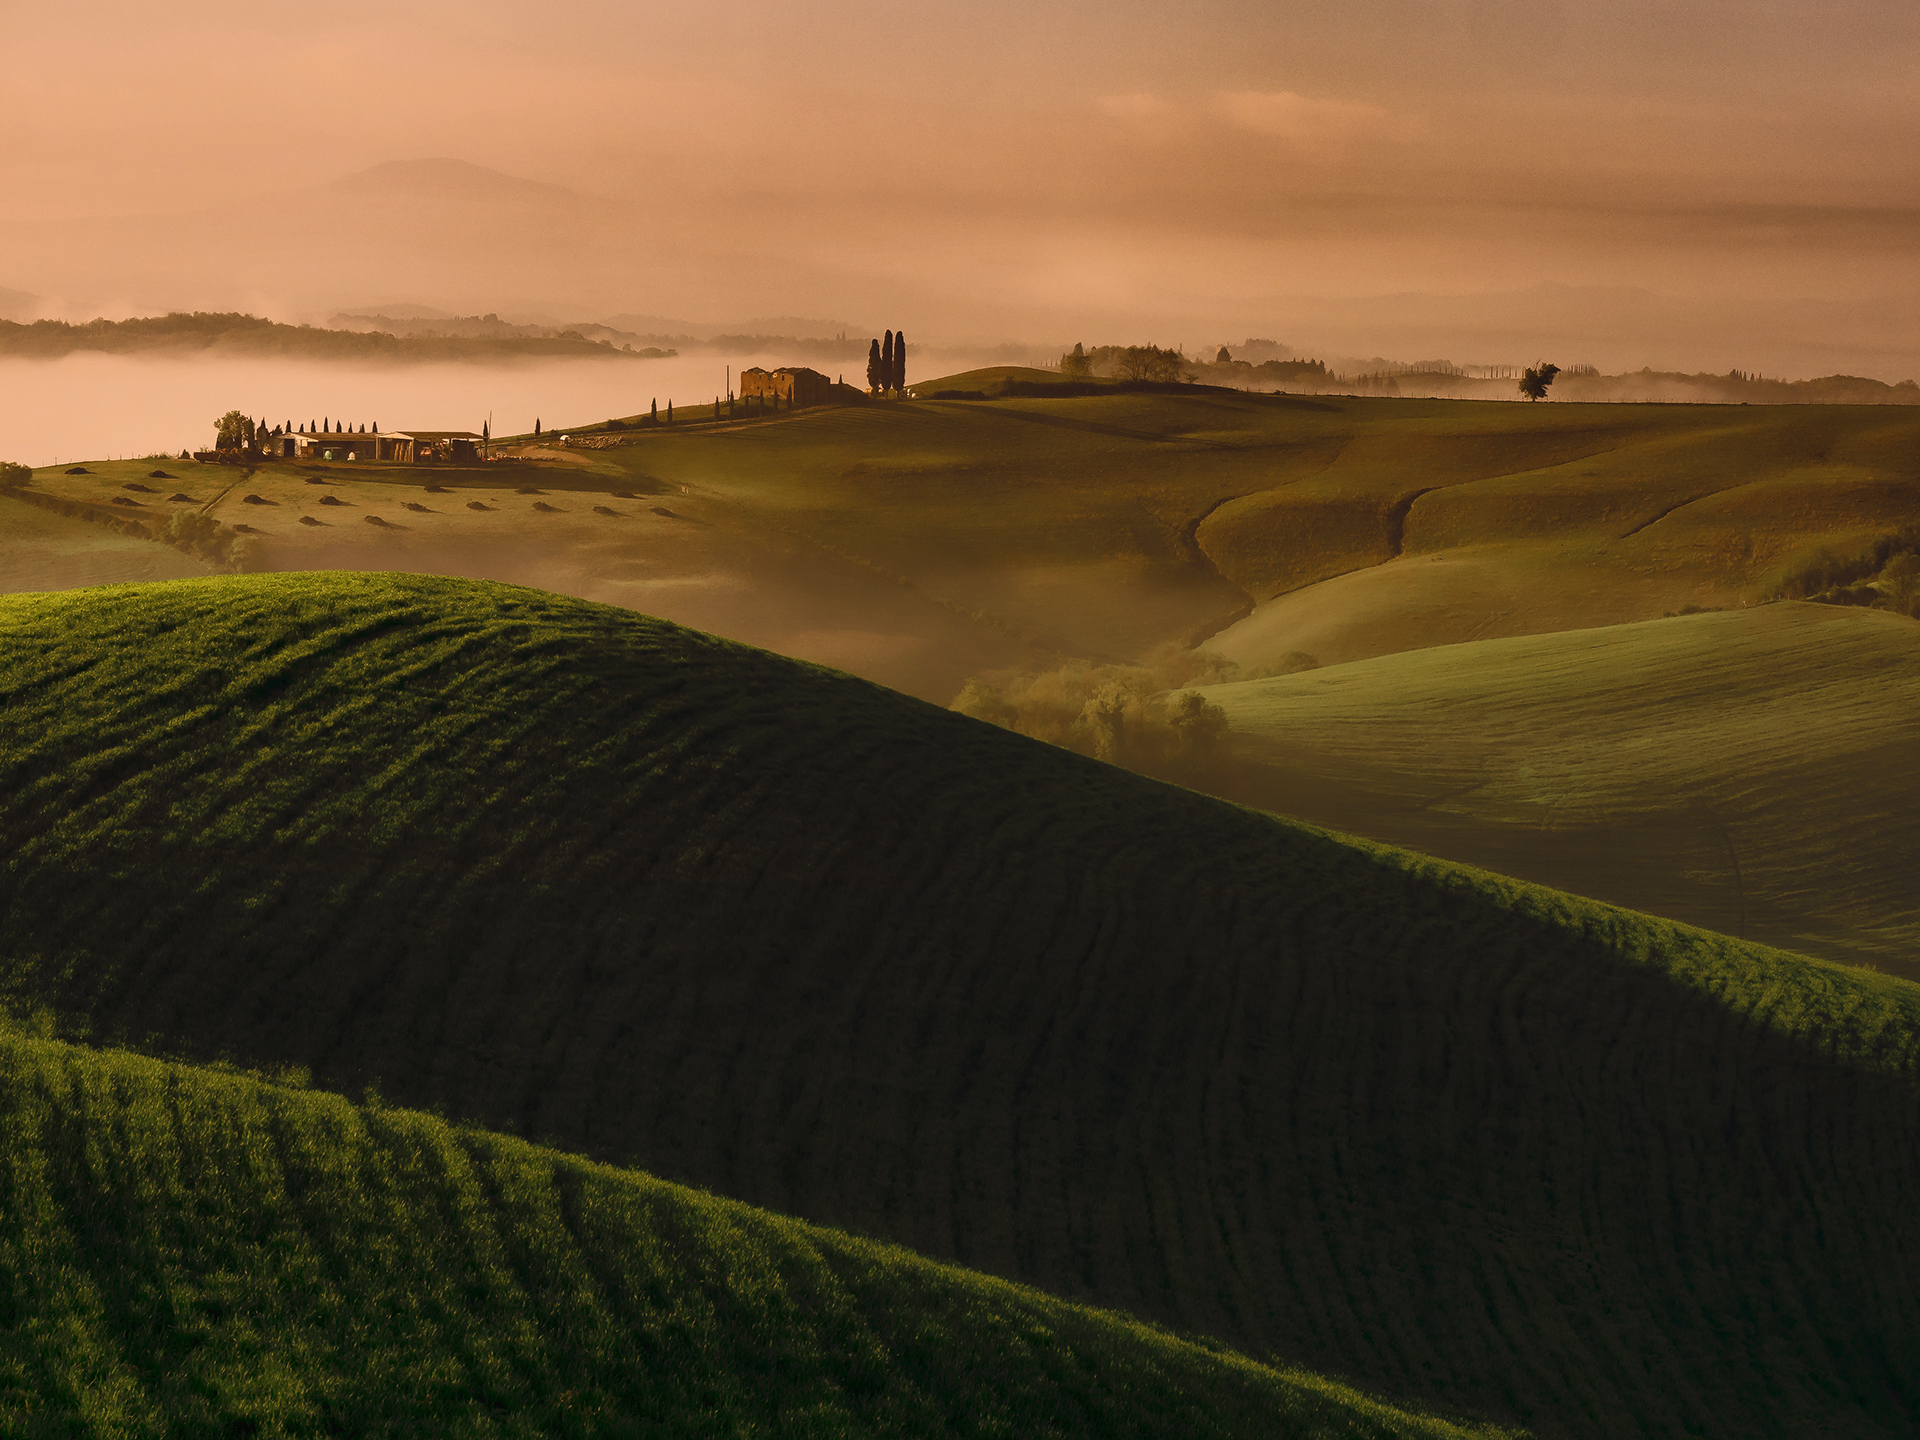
[[989, 168]]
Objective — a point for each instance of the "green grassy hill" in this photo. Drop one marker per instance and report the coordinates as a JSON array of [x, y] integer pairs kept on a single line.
[[188, 1252], [839, 954], [1747, 771]]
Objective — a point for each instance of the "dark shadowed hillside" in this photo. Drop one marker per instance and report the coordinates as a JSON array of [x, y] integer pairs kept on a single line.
[[835, 952], [195, 1253]]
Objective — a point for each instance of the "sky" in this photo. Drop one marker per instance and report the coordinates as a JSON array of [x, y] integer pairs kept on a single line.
[[1115, 171]]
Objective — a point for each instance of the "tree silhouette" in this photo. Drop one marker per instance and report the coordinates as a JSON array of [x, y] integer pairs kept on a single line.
[[873, 366], [886, 362], [1534, 382], [900, 360]]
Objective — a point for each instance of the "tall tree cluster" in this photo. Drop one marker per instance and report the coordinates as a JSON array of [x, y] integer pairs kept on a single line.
[[887, 363]]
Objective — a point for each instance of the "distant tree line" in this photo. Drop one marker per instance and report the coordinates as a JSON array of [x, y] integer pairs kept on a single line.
[[1127, 362], [234, 431], [251, 335]]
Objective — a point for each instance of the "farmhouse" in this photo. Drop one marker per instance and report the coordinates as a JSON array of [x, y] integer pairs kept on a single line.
[[795, 384], [405, 446]]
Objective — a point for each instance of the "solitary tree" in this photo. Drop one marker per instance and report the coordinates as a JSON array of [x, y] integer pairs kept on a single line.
[[536, 428], [654, 414], [228, 430], [669, 412], [873, 366], [1078, 362], [900, 360], [1223, 357], [1534, 382]]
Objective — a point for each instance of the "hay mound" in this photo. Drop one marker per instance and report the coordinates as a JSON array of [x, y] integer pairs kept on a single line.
[[476, 505], [177, 495], [310, 520], [246, 530], [315, 480], [331, 500], [79, 470], [257, 500], [125, 500], [437, 490], [604, 510], [376, 520], [625, 495], [662, 510], [415, 505], [529, 490], [160, 475], [136, 485], [550, 509]]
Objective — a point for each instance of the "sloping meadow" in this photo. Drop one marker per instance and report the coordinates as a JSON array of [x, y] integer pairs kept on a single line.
[[658, 898]]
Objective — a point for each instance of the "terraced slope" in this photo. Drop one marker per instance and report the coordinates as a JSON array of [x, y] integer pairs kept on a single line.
[[1751, 772], [190, 1252], [845, 956]]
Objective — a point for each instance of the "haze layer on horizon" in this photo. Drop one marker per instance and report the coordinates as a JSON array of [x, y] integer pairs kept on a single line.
[[1110, 171]]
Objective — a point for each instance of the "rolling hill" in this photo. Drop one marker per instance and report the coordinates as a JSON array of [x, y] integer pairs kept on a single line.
[[919, 544], [1745, 771], [196, 1252], [655, 897]]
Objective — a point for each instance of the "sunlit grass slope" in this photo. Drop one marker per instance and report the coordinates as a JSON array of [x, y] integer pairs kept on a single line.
[[1751, 771], [187, 1252], [849, 957]]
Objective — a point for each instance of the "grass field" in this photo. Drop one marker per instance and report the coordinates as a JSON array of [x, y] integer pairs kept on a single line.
[[1749, 772], [920, 543], [188, 1252], [40, 550], [1475, 1145]]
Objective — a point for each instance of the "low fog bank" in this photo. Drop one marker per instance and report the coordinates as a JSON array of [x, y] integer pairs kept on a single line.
[[91, 406]]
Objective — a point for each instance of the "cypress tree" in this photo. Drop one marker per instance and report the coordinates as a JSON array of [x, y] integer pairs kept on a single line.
[[873, 366], [900, 360], [886, 362], [654, 413], [669, 412], [536, 428]]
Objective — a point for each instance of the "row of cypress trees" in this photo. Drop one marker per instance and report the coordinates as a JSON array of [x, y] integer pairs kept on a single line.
[[887, 363]]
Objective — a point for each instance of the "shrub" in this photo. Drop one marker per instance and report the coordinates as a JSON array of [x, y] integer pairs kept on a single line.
[[1142, 717], [1884, 575], [203, 536], [12, 475]]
